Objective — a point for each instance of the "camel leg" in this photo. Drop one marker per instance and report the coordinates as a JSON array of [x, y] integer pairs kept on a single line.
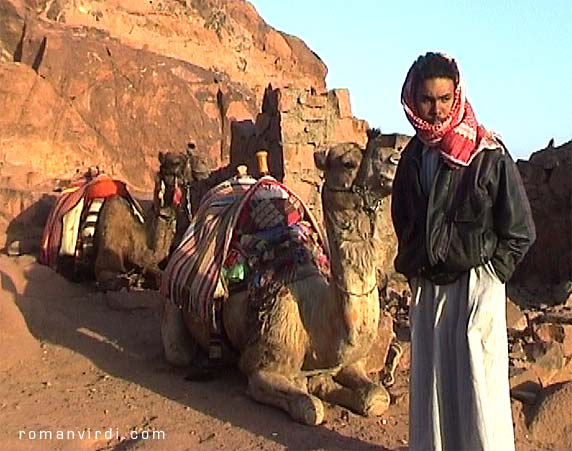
[[324, 387], [110, 281], [179, 346], [108, 267], [287, 393], [372, 399]]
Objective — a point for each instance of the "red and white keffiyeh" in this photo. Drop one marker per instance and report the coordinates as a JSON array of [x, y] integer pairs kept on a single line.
[[458, 136]]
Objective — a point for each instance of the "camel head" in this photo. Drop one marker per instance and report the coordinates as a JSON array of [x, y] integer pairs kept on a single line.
[[181, 170], [169, 183], [197, 167], [384, 160], [179, 185], [359, 177], [357, 184]]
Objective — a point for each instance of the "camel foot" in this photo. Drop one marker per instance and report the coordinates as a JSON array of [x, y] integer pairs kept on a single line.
[[203, 369], [112, 284], [287, 393], [369, 400], [374, 402], [306, 409]]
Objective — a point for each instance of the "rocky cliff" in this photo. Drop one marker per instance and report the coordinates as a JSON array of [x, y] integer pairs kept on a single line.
[[111, 83], [547, 176]]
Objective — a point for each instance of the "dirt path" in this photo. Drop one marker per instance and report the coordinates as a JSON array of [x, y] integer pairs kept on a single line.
[[72, 365], [95, 379]]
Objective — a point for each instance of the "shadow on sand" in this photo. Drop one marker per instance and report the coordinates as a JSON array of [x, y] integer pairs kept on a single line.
[[127, 345]]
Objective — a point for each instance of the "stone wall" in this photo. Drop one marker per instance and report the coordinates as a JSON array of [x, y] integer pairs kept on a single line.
[[292, 125]]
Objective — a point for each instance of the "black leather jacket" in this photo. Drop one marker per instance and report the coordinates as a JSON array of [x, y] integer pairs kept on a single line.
[[473, 214]]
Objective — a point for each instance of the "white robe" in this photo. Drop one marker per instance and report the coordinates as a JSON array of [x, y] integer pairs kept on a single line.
[[459, 389]]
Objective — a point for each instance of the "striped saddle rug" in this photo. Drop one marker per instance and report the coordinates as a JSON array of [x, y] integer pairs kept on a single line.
[[236, 221], [62, 231]]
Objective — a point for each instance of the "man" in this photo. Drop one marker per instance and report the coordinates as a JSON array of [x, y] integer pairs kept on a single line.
[[463, 222]]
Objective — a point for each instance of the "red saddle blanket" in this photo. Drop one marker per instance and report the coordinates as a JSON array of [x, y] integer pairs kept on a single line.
[[101, 186], [234, 212]]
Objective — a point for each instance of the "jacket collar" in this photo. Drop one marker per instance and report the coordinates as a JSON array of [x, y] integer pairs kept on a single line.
[[414, 150]]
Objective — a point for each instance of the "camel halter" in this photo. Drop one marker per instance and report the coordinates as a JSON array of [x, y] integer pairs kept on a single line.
[[370, 203], [161, 197], [370, 208], [351, 293], [188, 200]]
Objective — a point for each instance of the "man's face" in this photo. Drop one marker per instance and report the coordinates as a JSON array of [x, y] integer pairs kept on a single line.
[[434, 99]]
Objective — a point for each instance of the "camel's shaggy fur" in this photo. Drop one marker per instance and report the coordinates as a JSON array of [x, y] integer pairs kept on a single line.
[[125, 246], [315, 337]]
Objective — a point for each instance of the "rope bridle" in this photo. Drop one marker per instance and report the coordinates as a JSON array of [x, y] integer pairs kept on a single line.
[[370, 204], [352, 293], [161, 198]]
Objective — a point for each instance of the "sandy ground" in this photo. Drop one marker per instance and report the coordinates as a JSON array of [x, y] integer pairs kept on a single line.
[[70, 363], [72, 366]]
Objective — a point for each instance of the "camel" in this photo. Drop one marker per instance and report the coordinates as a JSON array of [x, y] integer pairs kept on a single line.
[[312, 340], [127, 248], [386, 159]]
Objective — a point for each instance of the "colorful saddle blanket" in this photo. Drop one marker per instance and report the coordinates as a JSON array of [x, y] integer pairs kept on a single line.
[[243, 228], [61, 230]]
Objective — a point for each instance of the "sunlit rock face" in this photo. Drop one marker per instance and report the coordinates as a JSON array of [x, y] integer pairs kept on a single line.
[[111, 83]]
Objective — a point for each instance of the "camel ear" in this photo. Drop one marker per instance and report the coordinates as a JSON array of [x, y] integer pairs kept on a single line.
[[320, 159], [190, 147], [161, 158]]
